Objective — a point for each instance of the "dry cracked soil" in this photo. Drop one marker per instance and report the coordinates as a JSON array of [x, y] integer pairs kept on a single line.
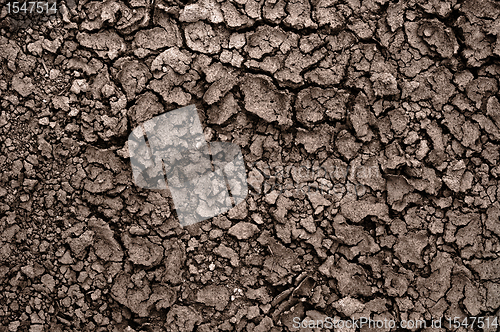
[[370, 130]]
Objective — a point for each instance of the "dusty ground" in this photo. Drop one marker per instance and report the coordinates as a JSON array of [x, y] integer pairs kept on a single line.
[[370, 130]]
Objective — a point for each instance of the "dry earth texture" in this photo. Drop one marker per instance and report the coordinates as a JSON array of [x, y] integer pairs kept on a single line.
[[370, 130]]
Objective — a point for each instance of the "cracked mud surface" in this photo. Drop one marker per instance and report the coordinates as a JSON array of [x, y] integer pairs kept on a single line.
[[370, 130]]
